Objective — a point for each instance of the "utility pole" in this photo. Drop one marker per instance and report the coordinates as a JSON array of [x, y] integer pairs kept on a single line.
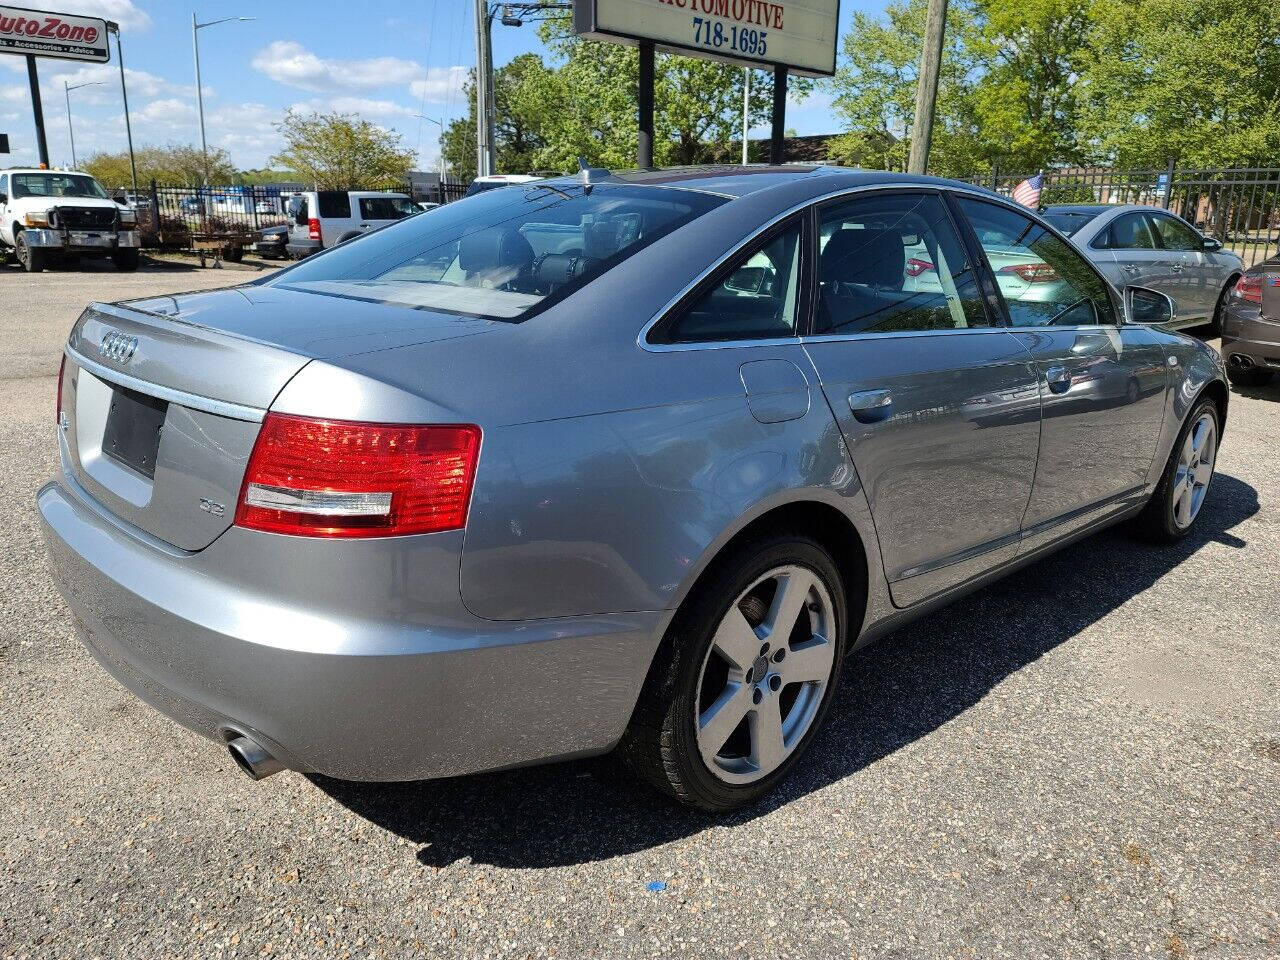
[[124, 95], [746, 107], [33, 78], [927, 86], [484, 89]]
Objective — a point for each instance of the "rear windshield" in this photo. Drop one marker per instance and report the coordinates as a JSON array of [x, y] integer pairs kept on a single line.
[[1068, 221], [502, 254]]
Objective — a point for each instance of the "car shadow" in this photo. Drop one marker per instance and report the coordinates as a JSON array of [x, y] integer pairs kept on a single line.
[[892, 693]]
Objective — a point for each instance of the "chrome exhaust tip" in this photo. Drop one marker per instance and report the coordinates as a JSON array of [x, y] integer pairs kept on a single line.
[[1241, 361], [251, 757]]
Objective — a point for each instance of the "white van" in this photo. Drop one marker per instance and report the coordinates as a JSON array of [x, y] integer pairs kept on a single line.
[[319, 219]]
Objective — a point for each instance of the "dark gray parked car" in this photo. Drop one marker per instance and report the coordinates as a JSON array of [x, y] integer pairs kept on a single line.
[[1251, 326], [605, 462], [1134, 244]]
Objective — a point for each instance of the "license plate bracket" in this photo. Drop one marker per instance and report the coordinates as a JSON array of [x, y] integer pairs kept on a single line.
[[132, 434]]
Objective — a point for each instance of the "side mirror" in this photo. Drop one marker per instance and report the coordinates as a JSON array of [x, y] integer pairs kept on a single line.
[[1212, 244], [1146, 306]]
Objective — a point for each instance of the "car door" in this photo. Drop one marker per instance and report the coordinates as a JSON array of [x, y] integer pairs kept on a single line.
[[1194, 285], [938, 404], [1101, 382], [1134, 256]]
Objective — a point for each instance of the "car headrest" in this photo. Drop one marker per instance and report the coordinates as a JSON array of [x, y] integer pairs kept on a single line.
[[874, 257], [556, 269], [600, 240], [495, 250]]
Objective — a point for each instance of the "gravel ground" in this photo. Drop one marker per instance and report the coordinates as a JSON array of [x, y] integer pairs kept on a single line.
[[1081, 761]]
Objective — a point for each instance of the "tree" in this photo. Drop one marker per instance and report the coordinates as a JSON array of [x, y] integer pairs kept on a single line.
[[338, 151], [875, 88], [174, 165], [583, 104], [1192, 81]]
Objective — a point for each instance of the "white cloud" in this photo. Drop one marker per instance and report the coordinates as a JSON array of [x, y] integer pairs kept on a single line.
[[289, 62], [439, 84], [166, 112], [361, 106], [123, 12]]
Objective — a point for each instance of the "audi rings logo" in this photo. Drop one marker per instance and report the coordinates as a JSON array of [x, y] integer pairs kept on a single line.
[[118, 347]]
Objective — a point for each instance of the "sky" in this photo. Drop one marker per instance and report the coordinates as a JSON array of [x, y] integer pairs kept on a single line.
[[393, 62]]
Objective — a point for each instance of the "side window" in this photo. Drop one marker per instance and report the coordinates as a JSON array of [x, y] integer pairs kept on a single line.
[[298, 209], [1131, 232], [1044, 282], [894, 262], [755, 299], [334, 204], [1176, 235]]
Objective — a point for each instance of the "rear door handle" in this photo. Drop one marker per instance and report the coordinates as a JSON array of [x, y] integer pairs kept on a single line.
[[1058, 379], [871, 406]]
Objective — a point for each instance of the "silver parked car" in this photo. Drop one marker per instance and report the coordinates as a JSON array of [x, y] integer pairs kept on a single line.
[[620, 461], [1153, 248]]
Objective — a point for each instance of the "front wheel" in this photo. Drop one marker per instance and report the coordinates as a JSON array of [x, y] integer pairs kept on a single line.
[[126, 260], [1184, 486], [744, 677], [32, 259]]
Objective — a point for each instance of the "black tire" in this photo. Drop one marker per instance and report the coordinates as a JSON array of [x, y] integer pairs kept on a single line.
[[1156, 522], [126, 260], [660, 745], [1216, 323], [33, 261], [1248, 376]]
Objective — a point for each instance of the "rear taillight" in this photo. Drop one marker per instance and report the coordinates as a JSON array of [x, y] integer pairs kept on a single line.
[[333, 478], [1249, 288], [1031, 272], [62, 372], [313, 228]]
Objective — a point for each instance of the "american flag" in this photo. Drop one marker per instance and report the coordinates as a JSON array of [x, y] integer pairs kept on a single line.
[[1027, 192]]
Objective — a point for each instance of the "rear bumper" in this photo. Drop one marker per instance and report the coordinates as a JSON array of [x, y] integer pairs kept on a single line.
[[303, 248], [1248, 337], [209, 640]]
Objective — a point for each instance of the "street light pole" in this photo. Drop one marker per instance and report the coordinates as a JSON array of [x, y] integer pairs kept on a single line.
[[66, 91], [124, 95], [195, 47], [746, 106]]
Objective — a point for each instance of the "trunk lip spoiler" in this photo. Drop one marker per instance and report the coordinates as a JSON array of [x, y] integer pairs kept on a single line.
[[194, 401]]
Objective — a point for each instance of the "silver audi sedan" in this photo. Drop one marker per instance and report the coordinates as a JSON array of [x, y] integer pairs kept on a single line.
[[1154, 248], [605, 463]]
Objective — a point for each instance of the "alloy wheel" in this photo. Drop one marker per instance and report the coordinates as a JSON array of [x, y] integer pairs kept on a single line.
[[765, 674], [1194, 470]]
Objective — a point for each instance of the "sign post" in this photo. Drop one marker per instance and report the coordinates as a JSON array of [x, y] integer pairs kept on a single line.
[[40, 33], [797, 36]]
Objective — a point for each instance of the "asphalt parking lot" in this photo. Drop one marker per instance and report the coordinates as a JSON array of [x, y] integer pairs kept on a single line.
[[1081, 761]]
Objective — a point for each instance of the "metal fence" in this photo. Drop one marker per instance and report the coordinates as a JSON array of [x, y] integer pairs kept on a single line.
[[1240, 206], [187, 218]]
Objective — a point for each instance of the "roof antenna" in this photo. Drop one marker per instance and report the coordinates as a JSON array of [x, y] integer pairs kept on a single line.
[[589, 175]]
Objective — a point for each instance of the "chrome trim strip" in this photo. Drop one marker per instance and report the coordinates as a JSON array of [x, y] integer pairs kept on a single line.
[[192, 401], [642, 340]]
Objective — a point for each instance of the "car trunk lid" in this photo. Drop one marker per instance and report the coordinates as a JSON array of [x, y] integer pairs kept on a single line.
[[163, 398]]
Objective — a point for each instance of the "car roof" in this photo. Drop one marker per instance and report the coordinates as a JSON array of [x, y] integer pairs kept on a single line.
[[1082, 208], [733, 181], [78, 173]]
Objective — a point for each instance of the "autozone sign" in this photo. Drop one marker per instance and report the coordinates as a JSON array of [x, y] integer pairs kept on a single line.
[[797, 34], [45, 34]]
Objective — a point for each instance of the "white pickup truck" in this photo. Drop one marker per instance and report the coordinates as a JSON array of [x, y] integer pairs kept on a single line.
[[46, 214]]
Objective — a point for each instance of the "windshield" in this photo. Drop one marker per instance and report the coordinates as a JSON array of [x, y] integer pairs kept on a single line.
[[1068, 221], [503, 254], [56, 185]]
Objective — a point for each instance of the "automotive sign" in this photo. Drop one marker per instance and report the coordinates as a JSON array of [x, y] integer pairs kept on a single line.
[[45, 34], [797, 34]]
